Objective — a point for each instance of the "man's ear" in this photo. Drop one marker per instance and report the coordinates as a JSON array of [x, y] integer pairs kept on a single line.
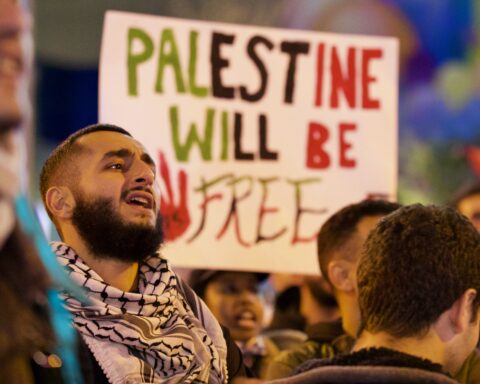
[[458, 317], [340, 276], [60, 202]]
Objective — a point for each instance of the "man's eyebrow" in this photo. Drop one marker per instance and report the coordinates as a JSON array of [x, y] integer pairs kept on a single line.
[[125, 153], [146, 158]]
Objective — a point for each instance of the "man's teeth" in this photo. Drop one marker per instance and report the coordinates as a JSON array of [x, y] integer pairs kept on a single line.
[[139, 200]]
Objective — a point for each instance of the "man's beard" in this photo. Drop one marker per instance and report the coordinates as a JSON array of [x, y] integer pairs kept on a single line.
[[108, 236]]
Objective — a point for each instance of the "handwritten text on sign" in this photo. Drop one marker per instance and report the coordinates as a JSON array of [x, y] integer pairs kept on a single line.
[[260, 134]]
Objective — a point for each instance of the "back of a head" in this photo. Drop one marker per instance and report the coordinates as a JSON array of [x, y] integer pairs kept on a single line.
[[340, 227], [415, 264]]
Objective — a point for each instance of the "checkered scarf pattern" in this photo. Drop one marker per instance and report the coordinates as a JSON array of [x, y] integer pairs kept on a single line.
[[161, 334]]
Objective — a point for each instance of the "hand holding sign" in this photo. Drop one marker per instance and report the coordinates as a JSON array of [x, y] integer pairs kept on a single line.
[[176, 218]]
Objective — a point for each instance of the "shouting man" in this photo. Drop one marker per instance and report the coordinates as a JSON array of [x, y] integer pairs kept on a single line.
[[143, 324]]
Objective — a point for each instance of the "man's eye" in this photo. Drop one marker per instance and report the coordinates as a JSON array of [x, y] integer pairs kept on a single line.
[[115, 166]]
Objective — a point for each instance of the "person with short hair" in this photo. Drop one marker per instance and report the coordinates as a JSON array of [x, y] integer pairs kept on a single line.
[[144, 324], [339, 245], [418, 292]]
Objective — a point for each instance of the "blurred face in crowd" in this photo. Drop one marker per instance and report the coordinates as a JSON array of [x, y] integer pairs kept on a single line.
[[235, 301], [470, 207], [12, 63]]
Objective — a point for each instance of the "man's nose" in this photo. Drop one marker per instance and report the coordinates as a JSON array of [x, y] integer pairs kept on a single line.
[[143, 173]]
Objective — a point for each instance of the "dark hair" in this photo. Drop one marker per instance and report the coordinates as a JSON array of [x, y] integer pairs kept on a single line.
[[415, 264], [200, 278], [64, 151], [339, 228], [464, 192]]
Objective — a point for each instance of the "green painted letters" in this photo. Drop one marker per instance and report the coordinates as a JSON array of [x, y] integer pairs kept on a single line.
[[169, 56], [192, 66], [133, 60], [182, 151]]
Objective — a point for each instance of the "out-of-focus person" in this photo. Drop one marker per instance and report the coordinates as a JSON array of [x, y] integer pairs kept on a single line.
[[317, 302], [26, 337], [467, 202], [235, 299]]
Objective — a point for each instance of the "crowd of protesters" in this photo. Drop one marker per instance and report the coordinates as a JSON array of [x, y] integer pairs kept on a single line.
[[396, 298]]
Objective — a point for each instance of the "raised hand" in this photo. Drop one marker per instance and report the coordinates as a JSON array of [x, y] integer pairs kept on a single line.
[[176, 218]]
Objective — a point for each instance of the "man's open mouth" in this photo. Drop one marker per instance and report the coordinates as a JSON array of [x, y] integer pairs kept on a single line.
[[141, 199]]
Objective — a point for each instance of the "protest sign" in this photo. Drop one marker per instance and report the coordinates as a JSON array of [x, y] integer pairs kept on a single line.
[[260, 134]]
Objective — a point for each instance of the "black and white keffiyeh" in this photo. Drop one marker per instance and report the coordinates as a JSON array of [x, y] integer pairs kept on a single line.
[[161, 334]]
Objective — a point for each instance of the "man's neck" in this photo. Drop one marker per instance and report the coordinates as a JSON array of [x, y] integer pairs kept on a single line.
[[349, 312], [427, 346], [117, 273]]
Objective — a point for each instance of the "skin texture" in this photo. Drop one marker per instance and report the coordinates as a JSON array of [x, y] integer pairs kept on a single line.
[[234, 300], [470, 207], [112, 177], [12, 62], [343, 275], [115, 176], [447, 342]]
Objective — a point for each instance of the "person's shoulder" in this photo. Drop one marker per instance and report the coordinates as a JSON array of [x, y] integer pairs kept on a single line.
[[287, 360], [335, 374], [309, 349], [270, 346]]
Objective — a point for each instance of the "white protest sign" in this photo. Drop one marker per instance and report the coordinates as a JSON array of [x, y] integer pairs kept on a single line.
[[260, 134]]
